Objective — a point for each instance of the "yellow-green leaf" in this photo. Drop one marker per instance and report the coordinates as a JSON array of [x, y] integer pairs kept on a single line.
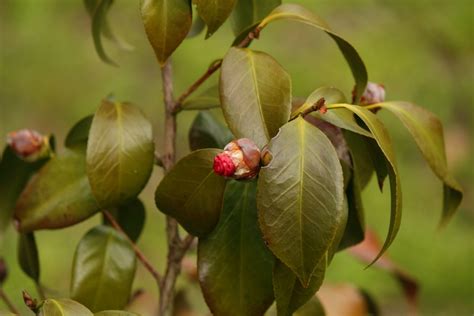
[[214, 13], [255, 94], [249, 12], [120, 153], [167, 23], [300, 197], [63, 307]]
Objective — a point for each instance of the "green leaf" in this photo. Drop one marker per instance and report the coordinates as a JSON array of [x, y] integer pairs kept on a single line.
[[312, 308], [115, 313], [384, 142], [192, 193], [300, 197], [249, 12], [197, 27], [206, 100], [362, 164], [207, 132], [79, 133], [340, 232], [63, 307], [103, 270], [331, 96], [28, 256], [289, 293], [427, 131], [58, 196], [300, 14], [14, 175], [214, 13], [167, 23], [120, 153], [131, 217], [234, 263], [255, 94]]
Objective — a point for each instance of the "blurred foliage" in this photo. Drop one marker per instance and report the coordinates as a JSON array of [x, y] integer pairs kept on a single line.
[[422, 51]]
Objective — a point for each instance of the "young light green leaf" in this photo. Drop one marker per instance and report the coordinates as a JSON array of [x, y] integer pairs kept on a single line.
[[427, 132], [300, 197], [167, 23], [207, 132], [131, 217], [192, 193], [79, 133], [300, 14], [289, 293], [255, 94], [103, 270], [63, 307], [206, 100], [384, 142], [234, 263], [120, 153], [214, 13], [28, 256], [249, 12], [58, 196]]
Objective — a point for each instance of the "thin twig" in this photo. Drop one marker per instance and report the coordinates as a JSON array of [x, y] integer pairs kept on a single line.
[[212, 69], [318, 105], [8, 302], [137, 251]]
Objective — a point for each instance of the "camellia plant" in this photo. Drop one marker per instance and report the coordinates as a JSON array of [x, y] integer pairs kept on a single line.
[[270, 197]]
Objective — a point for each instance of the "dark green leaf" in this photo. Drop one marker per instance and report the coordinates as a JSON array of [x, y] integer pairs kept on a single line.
[[300, 14], [255, 93], [198, 26], [63, 307], [79, 133], [120, 153], [206, 100], [427, 131], [207, 132], [14, 175], [249, 12], [103, 270], [131, 217], [115, 313], [289, 293], [300, 197], [167, 23], [312, 308], [28, 256], [384, 142], [340, 232], [192, 193], [214, 13], [362, 164], [58, 196], [234, 263]]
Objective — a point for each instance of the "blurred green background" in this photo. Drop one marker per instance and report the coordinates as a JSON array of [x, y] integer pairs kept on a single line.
[[422, 51]]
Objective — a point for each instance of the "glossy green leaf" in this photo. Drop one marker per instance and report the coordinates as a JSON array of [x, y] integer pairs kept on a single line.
[[206, 100], [192, 193], [300, 197], [79, 133], [115, 313], [207, 132], [14, 175], [300, 14], [167, 23], [289, 293], [249, 12], [255, 94], [384, 142], [28, 256], [103, 270], [312, 308], [63, 307], [214, 13], [58, 196], [120, 153], [234, 263], [131, 217], [427, 131]]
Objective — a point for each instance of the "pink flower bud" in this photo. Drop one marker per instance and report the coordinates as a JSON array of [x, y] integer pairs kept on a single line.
[[28, 144], [239, 160], [374, 93]]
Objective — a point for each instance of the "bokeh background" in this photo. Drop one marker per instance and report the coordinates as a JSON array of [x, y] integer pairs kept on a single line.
[[50, 77]]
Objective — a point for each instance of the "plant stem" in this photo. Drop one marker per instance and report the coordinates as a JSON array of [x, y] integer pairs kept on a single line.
[[137, 251], [8, 302]]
